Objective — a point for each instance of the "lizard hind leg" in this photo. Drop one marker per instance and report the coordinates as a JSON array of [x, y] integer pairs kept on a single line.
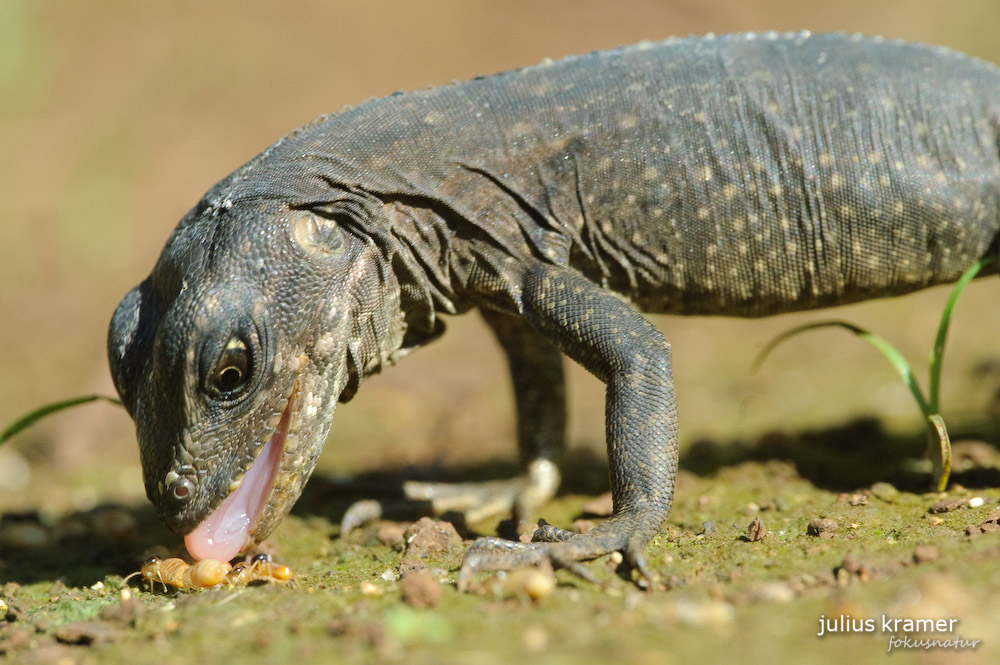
[[536, 370], [520, 496]]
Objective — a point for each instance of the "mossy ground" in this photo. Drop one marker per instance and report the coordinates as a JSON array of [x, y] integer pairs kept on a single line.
[[719, 592]]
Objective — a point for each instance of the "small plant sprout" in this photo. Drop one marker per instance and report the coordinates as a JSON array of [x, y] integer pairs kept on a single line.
[[938, 443], [27, 420]]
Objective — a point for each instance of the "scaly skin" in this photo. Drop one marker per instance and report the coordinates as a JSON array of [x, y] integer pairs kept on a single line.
[[742, 176]]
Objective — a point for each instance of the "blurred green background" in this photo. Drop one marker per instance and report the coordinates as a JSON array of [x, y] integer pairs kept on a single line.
[[116, 115]]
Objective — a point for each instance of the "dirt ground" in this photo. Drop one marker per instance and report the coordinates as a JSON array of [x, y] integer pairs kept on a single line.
[[115, 116]]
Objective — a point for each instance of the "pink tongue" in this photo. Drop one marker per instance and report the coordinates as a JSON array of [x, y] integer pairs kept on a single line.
[[224, 533]]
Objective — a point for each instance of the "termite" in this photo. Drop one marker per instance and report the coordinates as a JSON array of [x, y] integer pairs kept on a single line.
[[179, 574], [260, 567]]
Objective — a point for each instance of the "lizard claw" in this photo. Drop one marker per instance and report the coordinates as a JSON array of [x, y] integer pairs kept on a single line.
[[359, 513], [563, 549]]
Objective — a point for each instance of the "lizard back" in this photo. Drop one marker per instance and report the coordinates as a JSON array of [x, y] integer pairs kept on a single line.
[[743, 175]]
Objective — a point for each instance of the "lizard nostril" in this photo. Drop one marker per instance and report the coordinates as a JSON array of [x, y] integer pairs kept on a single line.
[[181, 490]]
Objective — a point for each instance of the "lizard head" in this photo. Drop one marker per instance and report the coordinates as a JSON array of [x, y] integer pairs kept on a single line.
[[232, 355]]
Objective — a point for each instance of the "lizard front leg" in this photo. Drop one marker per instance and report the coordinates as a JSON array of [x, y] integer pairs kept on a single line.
[[615, 343]]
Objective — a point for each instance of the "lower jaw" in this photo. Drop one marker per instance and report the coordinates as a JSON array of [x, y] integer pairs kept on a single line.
[[233, 526]]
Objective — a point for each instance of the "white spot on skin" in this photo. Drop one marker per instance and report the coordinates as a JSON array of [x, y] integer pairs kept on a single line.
[[326, 344], [310, 405]]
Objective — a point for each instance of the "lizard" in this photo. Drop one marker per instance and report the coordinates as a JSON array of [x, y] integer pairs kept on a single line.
[[742, 175]]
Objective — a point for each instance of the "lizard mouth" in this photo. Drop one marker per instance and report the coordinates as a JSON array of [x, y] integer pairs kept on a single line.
[[226, 532]]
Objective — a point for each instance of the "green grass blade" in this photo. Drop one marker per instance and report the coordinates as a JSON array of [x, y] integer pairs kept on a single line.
[[937, 433], [30, 419], [937, 353], [890, 352]]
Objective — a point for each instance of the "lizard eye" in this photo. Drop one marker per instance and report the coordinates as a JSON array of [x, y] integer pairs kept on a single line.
[[232, 372]]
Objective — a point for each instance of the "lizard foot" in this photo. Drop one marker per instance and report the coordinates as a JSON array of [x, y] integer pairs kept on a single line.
[[521, 496], [563, 549]]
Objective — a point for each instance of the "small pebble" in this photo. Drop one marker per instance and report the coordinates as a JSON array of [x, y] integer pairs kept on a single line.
[[851, 567], [925, 553], [822, 527], [948, 505], [775, 592], [420, 589], [885, 491], [370, 589], [711, 613], [534, 583], [756, 531], [392, 535], [976, 502], [85, 632]]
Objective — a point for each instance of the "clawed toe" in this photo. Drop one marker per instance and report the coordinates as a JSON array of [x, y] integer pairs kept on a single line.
[[546, 533], [563, 549], [359, 513]]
